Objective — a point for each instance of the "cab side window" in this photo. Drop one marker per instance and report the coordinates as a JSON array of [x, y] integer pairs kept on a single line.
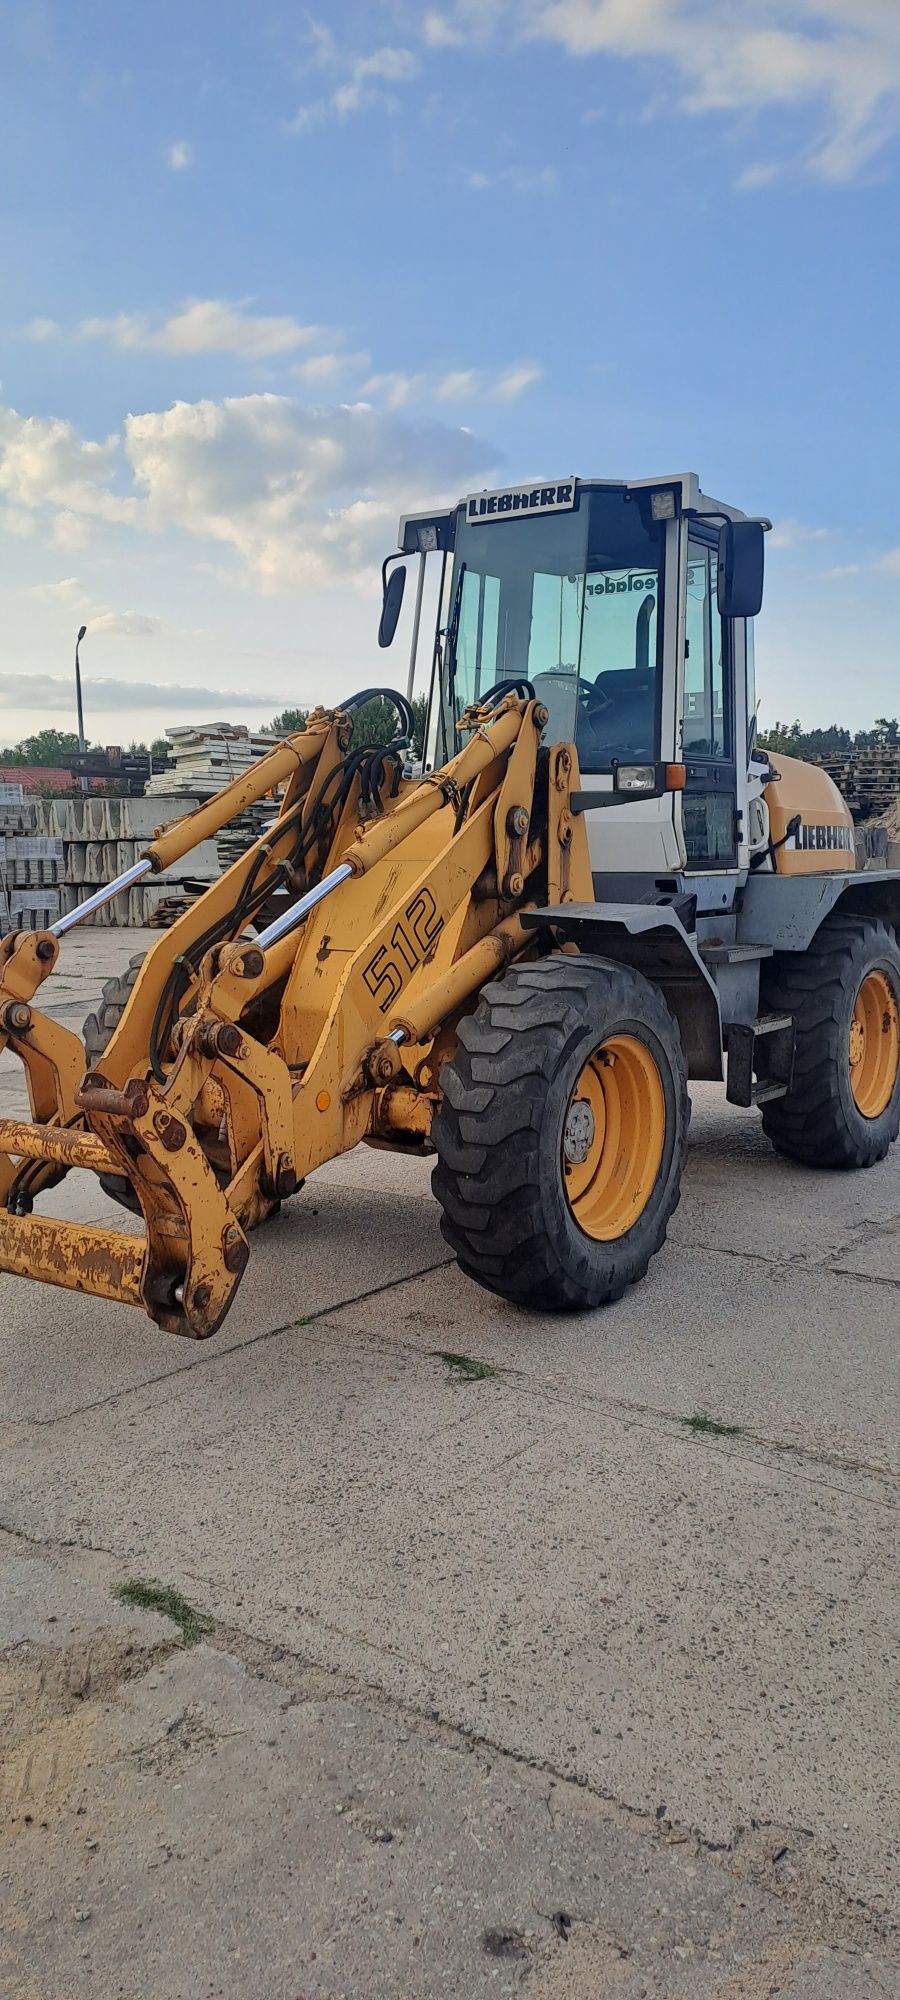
[[705, 719]]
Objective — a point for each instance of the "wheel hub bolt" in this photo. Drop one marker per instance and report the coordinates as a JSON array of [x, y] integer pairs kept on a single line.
[[578, 1133]]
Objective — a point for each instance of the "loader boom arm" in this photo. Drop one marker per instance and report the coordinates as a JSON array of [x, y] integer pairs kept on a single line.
[[243, 1061]]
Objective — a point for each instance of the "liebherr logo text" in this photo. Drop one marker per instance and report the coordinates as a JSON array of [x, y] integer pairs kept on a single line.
[[521, 500], [822, 837]]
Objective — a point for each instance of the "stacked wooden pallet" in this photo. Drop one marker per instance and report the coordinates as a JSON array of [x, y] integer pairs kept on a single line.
[[868, 778], [240, 834]]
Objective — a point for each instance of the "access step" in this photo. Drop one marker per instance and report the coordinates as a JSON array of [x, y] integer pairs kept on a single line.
[[741, 1039], [733, 954]]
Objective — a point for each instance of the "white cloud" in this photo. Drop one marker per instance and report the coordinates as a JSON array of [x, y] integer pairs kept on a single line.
[[789, 534], [40, 329], [759, 174], [221, 326], [329, 367], [67, 590], [16, 521], [70, 531], [396, 388], [362, 81], [512, 384], [839, 57], [204, 326], [383, 66], [885, 564], [125, 624], [439, 33], [72, 596], [518, 180], [300, 496], [35, 691], [179, 155], [44, 461], [458, 385]]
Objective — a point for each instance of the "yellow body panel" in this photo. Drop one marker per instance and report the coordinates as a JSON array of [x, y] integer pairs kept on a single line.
[[823, 841]]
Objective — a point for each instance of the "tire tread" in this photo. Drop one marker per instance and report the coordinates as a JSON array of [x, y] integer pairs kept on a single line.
[[487, 1135]]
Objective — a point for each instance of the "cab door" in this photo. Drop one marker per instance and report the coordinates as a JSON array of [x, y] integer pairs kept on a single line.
[[709, 802]]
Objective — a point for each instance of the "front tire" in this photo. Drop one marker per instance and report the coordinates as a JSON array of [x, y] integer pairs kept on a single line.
[[843, 1106], [562, 1133], [114, 999]]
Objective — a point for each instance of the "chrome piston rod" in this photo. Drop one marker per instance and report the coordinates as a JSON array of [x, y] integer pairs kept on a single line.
[[101, 896], [289, 919]]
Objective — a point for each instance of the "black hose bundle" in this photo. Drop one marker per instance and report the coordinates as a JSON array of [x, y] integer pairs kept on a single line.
[[375, 765]]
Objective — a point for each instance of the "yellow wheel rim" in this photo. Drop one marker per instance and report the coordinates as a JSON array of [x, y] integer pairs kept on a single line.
[[613, 1136], [874, 1045]]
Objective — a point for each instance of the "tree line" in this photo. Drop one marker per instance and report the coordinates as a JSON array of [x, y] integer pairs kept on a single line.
[[794, 741], [374, 724], [50, 749]]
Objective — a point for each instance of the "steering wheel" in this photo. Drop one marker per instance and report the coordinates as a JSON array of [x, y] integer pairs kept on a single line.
[[594, 700]]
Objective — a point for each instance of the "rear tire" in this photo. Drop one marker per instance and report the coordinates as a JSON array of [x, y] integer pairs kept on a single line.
[[562, 1133], [843, 1106]]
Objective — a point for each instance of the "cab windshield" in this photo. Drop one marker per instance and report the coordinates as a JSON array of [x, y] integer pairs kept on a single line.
[[572, 603]]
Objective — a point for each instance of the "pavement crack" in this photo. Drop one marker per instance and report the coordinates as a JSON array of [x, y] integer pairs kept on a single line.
[[864, 1277], [817, 1901], [210, 1358]]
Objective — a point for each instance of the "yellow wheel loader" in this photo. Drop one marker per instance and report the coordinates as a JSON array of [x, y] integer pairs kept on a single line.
[[514, 954]]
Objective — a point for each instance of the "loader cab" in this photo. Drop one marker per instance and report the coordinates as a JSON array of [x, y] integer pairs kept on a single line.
[[607, 598]]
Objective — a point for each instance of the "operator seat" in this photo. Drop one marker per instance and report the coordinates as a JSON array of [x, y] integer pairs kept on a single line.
[[627, 727]]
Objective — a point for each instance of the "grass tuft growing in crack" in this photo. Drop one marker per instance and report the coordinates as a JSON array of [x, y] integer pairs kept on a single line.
[[462, 1368], [151, 1595], [709, 1427]]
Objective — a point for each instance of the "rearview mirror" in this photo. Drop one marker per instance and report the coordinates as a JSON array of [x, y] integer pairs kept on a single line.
[[741, 560], [390, 609]]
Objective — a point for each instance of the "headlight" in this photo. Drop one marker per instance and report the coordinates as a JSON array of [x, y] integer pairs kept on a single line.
[[636, 778]]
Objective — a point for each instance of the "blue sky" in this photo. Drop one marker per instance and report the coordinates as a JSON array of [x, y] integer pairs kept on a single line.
[[273, 276]]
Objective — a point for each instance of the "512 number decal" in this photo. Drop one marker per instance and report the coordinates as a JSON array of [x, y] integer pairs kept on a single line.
[[411, 938]]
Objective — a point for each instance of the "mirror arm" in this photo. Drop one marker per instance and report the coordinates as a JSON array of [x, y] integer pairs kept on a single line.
[[713, 514]]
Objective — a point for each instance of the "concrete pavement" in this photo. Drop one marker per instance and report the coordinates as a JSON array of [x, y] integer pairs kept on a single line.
[[613, 1627]]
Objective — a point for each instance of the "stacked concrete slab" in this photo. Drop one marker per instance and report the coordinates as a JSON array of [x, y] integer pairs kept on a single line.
[[101, 837], [31, 865], [55, 852], [206, 758]]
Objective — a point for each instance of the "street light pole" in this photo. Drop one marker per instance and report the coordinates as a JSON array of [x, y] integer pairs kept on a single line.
[[82, 744]]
